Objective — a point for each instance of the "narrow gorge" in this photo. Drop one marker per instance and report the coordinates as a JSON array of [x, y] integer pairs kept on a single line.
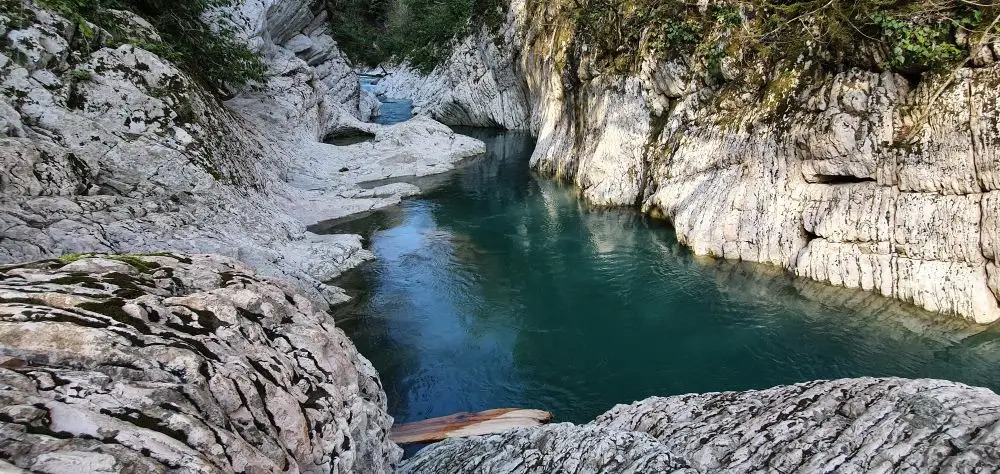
[[696, 210]]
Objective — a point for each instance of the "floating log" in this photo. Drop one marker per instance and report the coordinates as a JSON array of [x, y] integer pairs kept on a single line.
[[468, 424]]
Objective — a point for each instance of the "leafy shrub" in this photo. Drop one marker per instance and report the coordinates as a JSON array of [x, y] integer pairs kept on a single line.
[[79, 75], [920, 45], [216, 58]]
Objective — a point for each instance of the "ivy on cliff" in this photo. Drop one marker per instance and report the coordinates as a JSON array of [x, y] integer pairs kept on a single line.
[[214, 56]]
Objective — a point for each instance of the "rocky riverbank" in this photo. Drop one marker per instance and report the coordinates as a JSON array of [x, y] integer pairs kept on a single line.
[[192, 362], [797, 164], [114, 149], [851, 425], [170, 362]]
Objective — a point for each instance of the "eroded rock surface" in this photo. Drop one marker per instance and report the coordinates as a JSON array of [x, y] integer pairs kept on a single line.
[[853, 177], [803, 170], [117, 150], [849, 425], [189, 363], [479, 85], [561, 447]]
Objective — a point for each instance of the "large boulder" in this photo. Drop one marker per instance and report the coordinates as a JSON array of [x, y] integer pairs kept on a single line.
[[166, 362], [849, 425]]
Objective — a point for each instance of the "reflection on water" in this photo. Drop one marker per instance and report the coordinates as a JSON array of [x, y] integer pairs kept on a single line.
[[497, 289]]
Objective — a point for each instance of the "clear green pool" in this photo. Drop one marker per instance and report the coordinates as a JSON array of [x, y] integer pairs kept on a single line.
[[500, 289]]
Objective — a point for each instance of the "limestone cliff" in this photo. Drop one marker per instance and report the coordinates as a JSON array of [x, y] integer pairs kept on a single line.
[[479, 85], [163, 363], [797, 166], [114, 149]]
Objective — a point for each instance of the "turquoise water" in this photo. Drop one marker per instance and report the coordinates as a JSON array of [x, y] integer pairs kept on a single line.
[[500, 289], [393, 110]]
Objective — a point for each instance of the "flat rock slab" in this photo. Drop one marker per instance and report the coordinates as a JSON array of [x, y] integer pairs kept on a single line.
[[468, 424]]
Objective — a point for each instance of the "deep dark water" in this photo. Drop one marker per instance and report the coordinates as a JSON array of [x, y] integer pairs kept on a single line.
[[500, 289]]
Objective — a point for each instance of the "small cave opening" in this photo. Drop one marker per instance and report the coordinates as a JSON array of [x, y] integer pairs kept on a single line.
[[838, 179], [347, 137], [810, 235]]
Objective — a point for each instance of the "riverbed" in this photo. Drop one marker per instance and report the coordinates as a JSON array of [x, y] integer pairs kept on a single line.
[[498, 288]]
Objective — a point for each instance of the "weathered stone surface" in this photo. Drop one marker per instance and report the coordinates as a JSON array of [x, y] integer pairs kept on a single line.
[[480, 84], [191, 363], [849, 425], [119, 151], [853, 178], [562, 447]]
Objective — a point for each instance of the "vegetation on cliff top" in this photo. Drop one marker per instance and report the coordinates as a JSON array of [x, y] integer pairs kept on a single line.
[[908, 36], [212, 55], [371, 32]]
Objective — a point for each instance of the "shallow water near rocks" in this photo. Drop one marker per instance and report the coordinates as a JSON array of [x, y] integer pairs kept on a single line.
[[501, 289]]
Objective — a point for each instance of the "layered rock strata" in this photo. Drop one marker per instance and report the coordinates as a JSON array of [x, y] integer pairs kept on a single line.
[[117, 150], [163, 363], [850, 425], [855, 178]]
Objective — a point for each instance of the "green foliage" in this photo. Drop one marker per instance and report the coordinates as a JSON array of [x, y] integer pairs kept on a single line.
[[917, 35], [618, 28], [13, 15], [216, 58], [79, 75], [909, 36], [371, 32], [917, 45], [73, 257], [726, 14]]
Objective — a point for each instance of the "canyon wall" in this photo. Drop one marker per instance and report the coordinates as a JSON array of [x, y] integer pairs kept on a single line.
[[154, 361], [857, 178], [110, 148], [481, 84]]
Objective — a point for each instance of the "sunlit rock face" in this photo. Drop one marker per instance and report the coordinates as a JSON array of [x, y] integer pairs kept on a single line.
[[855, 178], [857, 425], [813, 187], [479, 85], [118, 150], [179, 363]]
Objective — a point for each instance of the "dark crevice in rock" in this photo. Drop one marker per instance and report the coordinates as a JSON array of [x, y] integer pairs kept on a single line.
[[838, 179], [348, 136]]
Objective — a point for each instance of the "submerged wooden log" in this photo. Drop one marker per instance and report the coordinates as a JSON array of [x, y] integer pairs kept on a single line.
[[468, 424]]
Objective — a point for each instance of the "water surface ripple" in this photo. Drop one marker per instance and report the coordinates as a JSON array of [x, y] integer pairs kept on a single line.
[[500, 289]]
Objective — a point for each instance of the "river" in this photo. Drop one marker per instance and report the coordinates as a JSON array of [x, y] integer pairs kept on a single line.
[[498, 288]]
